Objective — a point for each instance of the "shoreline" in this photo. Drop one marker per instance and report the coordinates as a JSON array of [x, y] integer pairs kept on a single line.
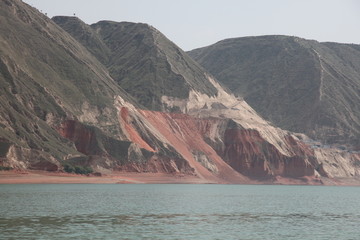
[[116, 177], [43, 177]]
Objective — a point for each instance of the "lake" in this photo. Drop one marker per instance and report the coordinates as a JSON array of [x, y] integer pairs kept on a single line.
[[178, 211]]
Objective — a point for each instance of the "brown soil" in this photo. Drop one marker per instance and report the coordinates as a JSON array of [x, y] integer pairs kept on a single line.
[[33, 177], [23, 177]]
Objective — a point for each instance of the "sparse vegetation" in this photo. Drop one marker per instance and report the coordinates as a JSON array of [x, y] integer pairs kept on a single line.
[[77, 169], [2, 168]]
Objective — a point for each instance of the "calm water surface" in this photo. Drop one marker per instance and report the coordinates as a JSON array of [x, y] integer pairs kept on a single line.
[[167, 211]]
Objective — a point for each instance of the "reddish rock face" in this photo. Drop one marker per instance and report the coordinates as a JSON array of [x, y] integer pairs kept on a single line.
[[297, 167], [131, 131], [243, 150], [247, 152], [186, 135], [83, 137], [302, 162], [191, 148], [299, 148], [146, 160]]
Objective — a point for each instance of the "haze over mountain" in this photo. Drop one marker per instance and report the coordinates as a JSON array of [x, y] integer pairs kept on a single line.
[[121, 96], [300, 85]]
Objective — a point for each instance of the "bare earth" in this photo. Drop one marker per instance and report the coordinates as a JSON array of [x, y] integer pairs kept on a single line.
[[36, 177], [22, 177]]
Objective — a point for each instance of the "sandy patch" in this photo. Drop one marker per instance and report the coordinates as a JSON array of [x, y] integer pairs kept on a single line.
[[42, 177], [18, 177]]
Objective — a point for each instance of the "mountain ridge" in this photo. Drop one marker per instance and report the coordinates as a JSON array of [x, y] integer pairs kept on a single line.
[[161, 60], [122, 97], [296, 83]]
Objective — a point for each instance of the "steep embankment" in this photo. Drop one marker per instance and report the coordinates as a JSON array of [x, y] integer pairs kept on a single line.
[[131, 44], [47, 77], [207, 137], [301, 85], [62, 103], [57, 99]]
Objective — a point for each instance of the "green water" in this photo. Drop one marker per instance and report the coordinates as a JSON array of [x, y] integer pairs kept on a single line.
[[167, 211]]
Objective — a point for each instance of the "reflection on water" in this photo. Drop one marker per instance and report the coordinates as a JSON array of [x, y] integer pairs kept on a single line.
[[178, 212]]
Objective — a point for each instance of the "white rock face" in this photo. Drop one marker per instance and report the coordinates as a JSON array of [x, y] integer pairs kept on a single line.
[[24, 158], [225, 105], [334, 162], [338, 163]]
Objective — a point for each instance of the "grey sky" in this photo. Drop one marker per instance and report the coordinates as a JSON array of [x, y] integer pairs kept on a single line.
[[197, 23]]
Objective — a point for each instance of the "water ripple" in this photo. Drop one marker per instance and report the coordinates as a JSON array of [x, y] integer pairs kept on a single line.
[[178, 212]]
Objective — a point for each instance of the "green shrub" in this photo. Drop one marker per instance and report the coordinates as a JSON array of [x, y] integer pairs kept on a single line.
[[83, 170], [2, 168], [77, 169], [68, 168]]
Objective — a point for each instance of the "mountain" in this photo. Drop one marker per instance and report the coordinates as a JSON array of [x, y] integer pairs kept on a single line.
[[132, 47], [46, 79], [140, 59], [122, 97], [300, 85]]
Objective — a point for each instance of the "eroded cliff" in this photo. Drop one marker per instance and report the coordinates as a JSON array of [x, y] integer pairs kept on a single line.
[[62, 103]]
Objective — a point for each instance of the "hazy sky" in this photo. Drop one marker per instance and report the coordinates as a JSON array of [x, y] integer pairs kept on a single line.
[[197, 23]]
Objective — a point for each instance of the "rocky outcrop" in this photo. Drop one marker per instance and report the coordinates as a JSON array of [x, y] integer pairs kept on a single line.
[[176, 135], [24, 158], [336, 163], [62, 103], [134, 155], [250, 154], [217, 147], [83, 137], [247, 152]]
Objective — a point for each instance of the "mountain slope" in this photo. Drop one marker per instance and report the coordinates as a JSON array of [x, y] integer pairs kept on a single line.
[[197, 95], [59, 105], [301, 85], [62, 106], [46, 79], [140, 59]]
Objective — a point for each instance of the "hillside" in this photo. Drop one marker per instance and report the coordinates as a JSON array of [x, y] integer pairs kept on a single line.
[[300, 85], [46, 77], [140, 59], [122, 97]]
